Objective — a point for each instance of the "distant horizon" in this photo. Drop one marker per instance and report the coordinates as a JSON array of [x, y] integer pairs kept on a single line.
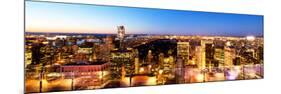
[[95, 19], [132, 34]]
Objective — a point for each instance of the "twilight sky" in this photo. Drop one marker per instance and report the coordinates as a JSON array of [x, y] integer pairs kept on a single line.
[[79, 18]]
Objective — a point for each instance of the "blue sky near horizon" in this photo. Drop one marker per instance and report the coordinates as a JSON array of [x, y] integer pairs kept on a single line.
[[81, 18]]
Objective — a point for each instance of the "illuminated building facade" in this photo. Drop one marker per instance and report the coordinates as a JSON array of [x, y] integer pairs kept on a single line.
[[85, 54], [28, 57], [98, 72], [161, 60], [199, 57], [119, 59], [183, 51], [169, 65], [180, 70], [229, 55], [219, 56], [136, 61], [149, 57]]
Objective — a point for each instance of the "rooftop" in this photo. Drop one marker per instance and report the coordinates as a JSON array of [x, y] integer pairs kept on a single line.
[[98, 62]]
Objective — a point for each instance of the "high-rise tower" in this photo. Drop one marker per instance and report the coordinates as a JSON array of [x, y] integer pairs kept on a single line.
[[183, 51], [121, 36]]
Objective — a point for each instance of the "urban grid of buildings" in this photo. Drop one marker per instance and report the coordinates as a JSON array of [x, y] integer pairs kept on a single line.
[[57, 62]]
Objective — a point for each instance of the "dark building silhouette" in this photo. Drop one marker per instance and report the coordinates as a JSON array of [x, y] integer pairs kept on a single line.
[[36, 54], [209, 54]]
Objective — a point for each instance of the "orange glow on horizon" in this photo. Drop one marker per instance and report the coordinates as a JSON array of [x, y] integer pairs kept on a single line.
[[68, 30]]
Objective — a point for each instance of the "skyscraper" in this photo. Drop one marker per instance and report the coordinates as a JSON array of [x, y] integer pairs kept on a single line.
[[149, 57], [209, 53], [219, 55], [121, 36], [180, 70], [121, 32], [119, 59], [36, 54], [229, 55], [122, 59], [161, 60], [183, 51], [199, 57]]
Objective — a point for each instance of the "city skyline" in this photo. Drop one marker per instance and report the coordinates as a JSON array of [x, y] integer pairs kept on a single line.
[[86, 47], [76, 62], [97, 19]]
